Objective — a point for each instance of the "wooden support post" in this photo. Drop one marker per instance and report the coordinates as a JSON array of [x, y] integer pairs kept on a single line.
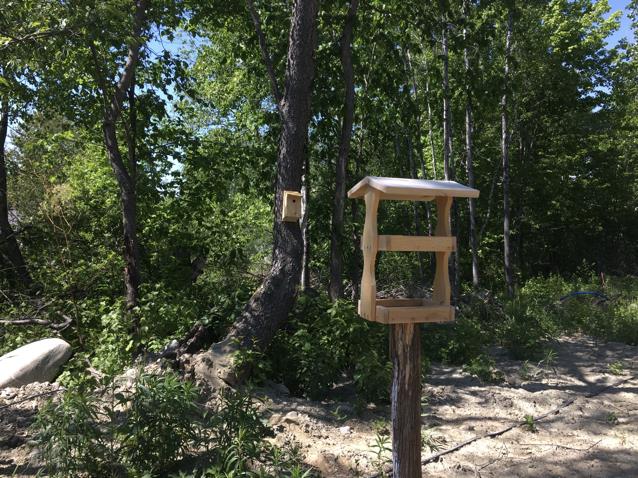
[[405, 351], [441, 287], [404, 315], [369, 242]]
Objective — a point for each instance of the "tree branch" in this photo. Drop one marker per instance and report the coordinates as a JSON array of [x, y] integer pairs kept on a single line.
[[131, 60], [265, 54], [34, 321]]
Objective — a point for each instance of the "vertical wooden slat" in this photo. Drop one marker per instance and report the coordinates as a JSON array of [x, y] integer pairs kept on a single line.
[[405, 351], [369, 244], [441, 286]]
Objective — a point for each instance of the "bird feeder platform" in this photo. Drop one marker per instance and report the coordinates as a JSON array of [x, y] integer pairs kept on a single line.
[[406, 311]]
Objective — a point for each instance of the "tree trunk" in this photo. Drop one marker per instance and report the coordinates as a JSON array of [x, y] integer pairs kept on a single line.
[[415, 208], [505, 139], [419, 143], [336, 233], [448, 164], [270, 305], [430, 126], [9, 245], [124, 178], [469, 157]]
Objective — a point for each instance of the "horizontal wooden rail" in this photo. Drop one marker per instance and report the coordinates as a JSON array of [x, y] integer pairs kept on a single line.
[[417, 243], [405, 311]]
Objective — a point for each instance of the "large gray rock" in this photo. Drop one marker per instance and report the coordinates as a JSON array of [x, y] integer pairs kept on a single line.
[[35, 362]]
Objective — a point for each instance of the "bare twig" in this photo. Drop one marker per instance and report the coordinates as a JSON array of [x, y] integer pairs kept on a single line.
[[50, 392], [563, 446]]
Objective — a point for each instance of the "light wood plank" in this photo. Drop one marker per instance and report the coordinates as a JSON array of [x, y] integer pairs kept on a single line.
[[421, 314], [417, 243], [367, 308]]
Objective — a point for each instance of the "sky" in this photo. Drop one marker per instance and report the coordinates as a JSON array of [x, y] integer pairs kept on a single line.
[[624, 30]]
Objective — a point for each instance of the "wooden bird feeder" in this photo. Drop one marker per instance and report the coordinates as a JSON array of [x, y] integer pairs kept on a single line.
[[404, 314], [402, 311]]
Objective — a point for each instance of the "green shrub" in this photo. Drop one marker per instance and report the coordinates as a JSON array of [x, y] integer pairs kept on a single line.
[[324, 340], [484, 368], [149, 430]]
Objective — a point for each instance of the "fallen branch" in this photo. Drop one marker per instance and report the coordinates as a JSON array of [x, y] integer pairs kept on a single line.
[[44, 322], [496, 433], [563, 446], [517, 424], [50, 392]]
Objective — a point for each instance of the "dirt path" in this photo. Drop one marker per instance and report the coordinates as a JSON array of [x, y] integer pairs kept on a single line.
[[595, 436]]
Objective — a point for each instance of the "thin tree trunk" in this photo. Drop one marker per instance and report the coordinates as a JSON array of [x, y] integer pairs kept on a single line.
[[415, 204], [305, 225], [125, 178], [419, 143], [505, 139], [9, 245], [270, 305], [430, 126], [469, 157], [448, 164], [336, 233]]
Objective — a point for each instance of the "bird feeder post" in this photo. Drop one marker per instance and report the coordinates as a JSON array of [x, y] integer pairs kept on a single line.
[[404, 315]]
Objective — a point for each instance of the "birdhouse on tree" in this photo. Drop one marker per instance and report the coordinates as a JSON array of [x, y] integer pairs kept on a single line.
[[403, 311]]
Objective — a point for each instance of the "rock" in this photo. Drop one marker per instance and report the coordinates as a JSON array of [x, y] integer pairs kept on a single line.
[[321, 462], [292, 417], [35, 362], [274, 419], [345, 430], [278, 388]]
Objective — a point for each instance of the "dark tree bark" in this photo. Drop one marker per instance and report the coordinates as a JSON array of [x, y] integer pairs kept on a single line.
[[405, 352], [125, 178], [505, 144], [9, 244], [270, 305], [336, 233], [469, 156]]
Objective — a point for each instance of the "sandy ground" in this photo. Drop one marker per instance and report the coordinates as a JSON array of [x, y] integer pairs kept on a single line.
[[595, 436]]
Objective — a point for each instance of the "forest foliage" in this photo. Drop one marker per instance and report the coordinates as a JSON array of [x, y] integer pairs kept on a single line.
[[188, 138]]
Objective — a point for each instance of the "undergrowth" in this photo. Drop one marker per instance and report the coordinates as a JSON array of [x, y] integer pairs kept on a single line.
[[158, 427]]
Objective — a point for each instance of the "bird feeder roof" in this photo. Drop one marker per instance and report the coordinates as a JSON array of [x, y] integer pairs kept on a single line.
[[411, 189]]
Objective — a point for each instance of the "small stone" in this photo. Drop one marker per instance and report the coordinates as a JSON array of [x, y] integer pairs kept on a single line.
[[274, 419], [345, 430], [292, 417]]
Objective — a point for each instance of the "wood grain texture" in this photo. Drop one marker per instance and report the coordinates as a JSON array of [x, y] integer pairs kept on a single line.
[[417, 243], [405, 351], [441, 287], [417, 314], [367, 308]]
